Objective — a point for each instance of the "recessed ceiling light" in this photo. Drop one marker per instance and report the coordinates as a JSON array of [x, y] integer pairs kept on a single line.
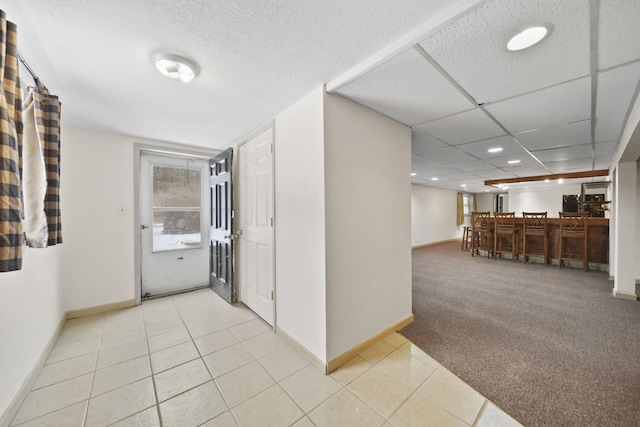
[[560, 181], [495, 149], [175, 67], [513, 162], [546, 180], [529, 37], [413, 174], [463, 185], [435, 178], [487, 190]]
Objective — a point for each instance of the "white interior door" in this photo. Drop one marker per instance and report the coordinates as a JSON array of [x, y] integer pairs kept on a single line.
[[255, 227], [174, 224]]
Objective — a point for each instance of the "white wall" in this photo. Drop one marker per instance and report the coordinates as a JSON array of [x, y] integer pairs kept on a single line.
[[300, 224], [95, 264], [368, 224], [637, 248], [31, 309], [626, 221], [540, 199], [485, 202], [97, 176], [433, 215]]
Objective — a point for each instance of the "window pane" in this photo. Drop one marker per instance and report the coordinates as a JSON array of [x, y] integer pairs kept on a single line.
[[176, 230], [175, 187]]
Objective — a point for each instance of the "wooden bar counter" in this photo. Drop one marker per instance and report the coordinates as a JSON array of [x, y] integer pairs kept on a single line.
[[597, 241]]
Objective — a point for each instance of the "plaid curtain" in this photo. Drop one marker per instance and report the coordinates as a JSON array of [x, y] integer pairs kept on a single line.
[[10, 150]]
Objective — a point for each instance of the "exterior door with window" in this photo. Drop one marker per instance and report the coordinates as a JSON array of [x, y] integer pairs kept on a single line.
[[173, 224]]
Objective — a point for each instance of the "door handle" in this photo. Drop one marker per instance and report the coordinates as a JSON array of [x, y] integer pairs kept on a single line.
[[144, 226], [233, 236]]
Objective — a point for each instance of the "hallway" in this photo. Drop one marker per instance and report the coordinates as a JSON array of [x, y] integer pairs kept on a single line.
[[192, 359]]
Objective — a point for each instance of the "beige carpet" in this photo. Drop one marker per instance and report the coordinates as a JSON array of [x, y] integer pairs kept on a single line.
[[550, 346]]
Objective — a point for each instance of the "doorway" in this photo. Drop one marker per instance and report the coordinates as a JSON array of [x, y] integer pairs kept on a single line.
[[173, 223]]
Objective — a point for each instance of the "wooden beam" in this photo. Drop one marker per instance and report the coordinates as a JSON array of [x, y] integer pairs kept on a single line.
[[572, 175]]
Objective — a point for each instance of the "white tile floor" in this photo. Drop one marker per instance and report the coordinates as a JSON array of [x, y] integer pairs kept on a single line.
[[193, 359]]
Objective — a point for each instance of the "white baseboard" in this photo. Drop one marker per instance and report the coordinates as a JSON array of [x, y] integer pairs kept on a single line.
[[319, 364], [16, 402], [97, 309]]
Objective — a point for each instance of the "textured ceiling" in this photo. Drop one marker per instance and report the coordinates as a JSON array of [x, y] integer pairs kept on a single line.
[[257, 57], [438, 66]]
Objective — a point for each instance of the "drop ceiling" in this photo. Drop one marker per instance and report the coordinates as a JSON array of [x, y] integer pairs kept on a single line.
[[558, 107], [440, 67]]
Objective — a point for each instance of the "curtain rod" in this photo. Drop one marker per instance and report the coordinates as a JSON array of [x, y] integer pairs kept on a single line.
[[24, 62]]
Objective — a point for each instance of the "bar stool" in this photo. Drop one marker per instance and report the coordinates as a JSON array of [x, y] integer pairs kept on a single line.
[[574, 225], [505, 224], [481, 226], [535, 224], [466, 238]]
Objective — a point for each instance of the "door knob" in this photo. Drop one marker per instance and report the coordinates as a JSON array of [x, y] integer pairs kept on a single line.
[[233, 236]]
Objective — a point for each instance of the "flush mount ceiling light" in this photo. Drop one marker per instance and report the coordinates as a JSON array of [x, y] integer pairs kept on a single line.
[[513, 162], [413, 174], [176, 67], [529, 37], [495, 150], [435, 178]]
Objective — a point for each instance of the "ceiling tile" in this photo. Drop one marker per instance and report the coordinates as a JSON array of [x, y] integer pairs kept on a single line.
[[495, 174], [473, 49], [606, 149], [557, 136], [619, 32], [408, 89], [603, 162], [609, 128], [424, 167], [503, 161], [422, 143], [532, 169], [616, 89], [473, 165], [460, 176], [448, 155], [480, 148], [565, 153], [469, 126], [565, 103], [570, 165]]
